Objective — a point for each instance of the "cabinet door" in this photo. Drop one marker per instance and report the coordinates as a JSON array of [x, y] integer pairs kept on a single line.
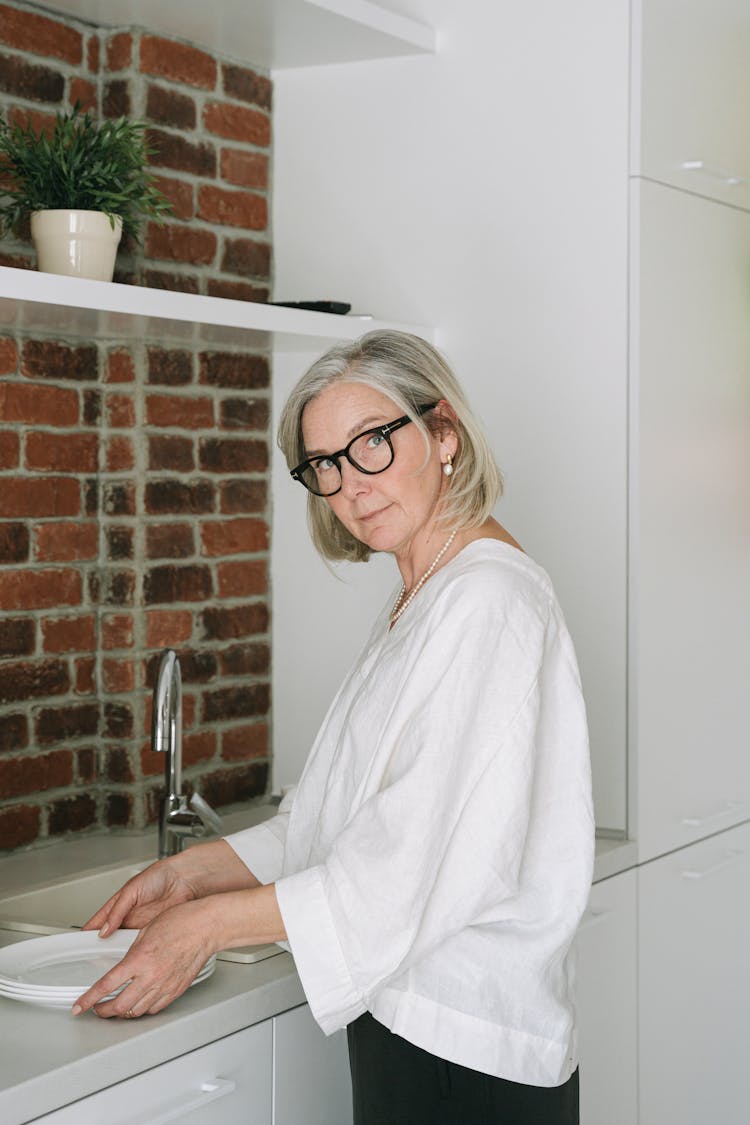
[[690, 521], [225, 1083], [311, 1080], [607, 995], [694, 937], [694, 96]]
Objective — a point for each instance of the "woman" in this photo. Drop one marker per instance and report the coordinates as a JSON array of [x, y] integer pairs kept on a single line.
[[431, 867]]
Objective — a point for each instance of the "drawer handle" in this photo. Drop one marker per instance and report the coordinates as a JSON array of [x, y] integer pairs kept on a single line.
[[724, 808], [209, 1091], [593, 918], [729, 858], [712, 173]]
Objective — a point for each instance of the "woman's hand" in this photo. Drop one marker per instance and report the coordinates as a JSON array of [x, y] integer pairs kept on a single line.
[[161, 964]]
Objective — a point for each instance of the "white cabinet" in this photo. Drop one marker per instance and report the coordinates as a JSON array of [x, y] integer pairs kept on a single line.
[[690, 525], [225, 1083], [694, 969], [607, 998], [693, 98], [311, 1079]]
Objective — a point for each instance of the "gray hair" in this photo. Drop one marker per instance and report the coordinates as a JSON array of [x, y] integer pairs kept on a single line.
[[411, 373]]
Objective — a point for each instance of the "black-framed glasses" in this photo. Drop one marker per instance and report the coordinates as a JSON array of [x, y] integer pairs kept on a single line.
[[370, 452]]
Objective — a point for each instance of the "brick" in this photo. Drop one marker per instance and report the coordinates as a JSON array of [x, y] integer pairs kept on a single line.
[[120, 366], [246, 169], [250, 740], [246, 257], [175, 282], [120, 543], [35, 119], [233, 455], [48, 360], [118, 676], [84, 670], [170, 541], [199, 746], [14, 542], [177, 584], [45, 496], [244, 414], [246, 85], [170, 497], [57, 724], [120, 411], [119, 454], [179, 411], [242, 579], [118, 499], [62, 453], [119, 51], [19, 825], [166, 628], [16, 261], [86, 764], [92, 406], [116, 100], [8, 355], [21, 776], [170, 107], [69, 634], [178, 61], [118, 720], [117, 631], [181, 244], [116, 588], [170, 368], [27, 80], [231, 622], [198, 667], [33, 680], [66, 542], [227, 787], [237, 291], [233, 537], [14, 732], [171, 453], [243, 496], [244, 209], [17, 638], [83, 93], [236, 702], [40, 35], [118, 810], [10, 448], [93, 54], [170, 150], [246, 660], [71, 814], [237, 371], [36, 405], [179, 193], [39, 589], [117, 765], [237, 123]]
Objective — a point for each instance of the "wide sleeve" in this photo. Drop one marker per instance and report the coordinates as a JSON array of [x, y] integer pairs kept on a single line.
[[441, 842], [261, 848]]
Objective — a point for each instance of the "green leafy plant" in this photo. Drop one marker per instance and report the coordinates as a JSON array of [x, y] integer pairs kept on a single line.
[[81, 166]]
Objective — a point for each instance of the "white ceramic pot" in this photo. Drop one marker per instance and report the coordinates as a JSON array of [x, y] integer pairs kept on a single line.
[[76, 243]]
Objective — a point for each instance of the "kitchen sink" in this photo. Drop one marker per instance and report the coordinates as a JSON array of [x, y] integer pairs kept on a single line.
[[68, 903]]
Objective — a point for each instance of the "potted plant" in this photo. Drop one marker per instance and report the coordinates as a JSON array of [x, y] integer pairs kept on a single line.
[[83, 186]]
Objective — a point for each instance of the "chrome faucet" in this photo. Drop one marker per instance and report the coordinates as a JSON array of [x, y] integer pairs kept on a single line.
[[179, 818]]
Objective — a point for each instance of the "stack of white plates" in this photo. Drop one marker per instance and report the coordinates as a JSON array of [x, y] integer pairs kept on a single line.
[[56, 970]]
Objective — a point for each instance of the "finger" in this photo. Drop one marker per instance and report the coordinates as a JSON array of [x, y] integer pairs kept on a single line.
[[132, 1003], [115, 979], [110, 917]]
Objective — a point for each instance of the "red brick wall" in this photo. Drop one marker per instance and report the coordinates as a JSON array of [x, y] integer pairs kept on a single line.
[[133, 476]]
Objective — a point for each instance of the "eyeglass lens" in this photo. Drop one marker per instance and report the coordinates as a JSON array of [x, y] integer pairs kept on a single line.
[[370, 453]]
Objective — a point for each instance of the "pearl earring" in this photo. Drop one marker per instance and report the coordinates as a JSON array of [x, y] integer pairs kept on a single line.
[[448, 466]]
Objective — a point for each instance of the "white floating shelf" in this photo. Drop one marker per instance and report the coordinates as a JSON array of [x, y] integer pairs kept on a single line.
[[74, 308], [272, 34]]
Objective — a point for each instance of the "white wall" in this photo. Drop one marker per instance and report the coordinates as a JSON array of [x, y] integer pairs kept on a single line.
[[483, 191]]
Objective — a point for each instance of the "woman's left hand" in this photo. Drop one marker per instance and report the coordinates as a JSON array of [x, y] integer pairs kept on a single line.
[[161, 964]]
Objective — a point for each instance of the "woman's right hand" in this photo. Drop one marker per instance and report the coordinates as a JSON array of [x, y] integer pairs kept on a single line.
[[142, 898]]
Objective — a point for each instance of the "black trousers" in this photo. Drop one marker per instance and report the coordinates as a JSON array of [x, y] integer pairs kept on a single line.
[[396, 1083]]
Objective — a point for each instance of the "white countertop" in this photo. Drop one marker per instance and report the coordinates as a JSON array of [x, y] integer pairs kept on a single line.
[[49, 1059]]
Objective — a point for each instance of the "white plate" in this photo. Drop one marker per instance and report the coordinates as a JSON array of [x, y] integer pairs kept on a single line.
[[63, 965]]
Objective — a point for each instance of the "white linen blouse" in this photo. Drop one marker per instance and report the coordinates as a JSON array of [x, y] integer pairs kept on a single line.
[[434, 861]]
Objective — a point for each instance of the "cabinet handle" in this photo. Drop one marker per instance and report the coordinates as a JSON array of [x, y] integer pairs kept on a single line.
[[731, 857], [209, 1091], [712, 173], [593, 918], [698, 821]]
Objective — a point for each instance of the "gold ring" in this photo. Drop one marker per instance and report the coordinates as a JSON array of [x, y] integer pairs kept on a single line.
[[130, 1014]]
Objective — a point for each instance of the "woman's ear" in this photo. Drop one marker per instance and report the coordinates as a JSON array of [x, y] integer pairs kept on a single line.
[[445, 427]]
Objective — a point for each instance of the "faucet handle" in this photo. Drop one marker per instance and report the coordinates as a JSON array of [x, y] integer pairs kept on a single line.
[[208, 818]]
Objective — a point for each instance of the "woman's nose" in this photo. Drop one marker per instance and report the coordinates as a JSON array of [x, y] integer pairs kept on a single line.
[[353, 482]]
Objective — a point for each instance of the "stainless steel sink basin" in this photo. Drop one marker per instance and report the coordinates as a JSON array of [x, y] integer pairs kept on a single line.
[[68, 903]]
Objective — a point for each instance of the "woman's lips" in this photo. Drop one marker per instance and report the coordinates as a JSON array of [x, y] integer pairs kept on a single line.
[[372, 515]]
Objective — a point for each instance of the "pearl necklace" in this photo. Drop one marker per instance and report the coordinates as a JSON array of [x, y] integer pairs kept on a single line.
[[400, 605]]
